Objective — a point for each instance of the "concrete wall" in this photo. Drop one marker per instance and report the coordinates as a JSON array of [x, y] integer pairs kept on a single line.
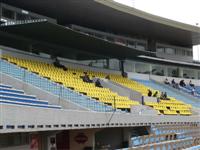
[[47, 59], [121, 90], [24, 147], [24, 55], [133, 75], [162, 78], [58, 119], [175, 57]]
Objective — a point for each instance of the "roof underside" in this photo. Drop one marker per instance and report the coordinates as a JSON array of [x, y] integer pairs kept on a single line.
[[60, 41], [109, 16]]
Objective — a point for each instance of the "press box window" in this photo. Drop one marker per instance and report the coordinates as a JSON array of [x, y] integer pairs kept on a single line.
[[22, 17], [8, 13]]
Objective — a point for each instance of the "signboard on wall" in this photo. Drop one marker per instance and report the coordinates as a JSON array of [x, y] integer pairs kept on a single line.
[[34, 144], [52, 143], [81, 138]]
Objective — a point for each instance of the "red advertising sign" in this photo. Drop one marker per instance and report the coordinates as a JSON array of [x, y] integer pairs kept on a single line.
[[34, 145], [81, 138]]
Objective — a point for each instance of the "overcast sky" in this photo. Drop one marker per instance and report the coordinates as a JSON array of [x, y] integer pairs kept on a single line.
[[186, 11]]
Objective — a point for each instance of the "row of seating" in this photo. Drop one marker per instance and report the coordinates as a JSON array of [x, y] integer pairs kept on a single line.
[[71, 79], [156, 139], [157, 130], [52, 87], [173, 105]]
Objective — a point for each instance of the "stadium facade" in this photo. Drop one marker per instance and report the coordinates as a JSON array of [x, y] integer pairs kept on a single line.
[[94, 75]]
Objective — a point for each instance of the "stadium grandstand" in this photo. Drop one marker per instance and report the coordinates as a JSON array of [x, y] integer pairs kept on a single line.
[[96, 75]]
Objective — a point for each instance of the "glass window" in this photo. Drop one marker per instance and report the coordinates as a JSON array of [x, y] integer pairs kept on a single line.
[[160, 50], [189, 53], [172, 72], [157, 70], [142, 68], [131, 44], [170, 51], [22, 17], [109, 38], [33, 18], [189, 74], [8, 13], [140, 46]]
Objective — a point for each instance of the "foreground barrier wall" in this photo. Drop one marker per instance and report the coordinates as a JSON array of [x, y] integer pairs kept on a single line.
[[21, 119]]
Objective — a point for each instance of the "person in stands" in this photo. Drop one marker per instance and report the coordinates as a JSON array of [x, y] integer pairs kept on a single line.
[[193, 91], [98, 83], [149, 93], [107, 77], [86, 78], [124, 74], [191, 84], [165, 96], [166, 81], [57, 64], [173, 82], [155, 94], [182, 83]]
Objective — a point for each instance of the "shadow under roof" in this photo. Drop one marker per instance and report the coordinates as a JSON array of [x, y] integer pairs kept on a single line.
[[110, 16]]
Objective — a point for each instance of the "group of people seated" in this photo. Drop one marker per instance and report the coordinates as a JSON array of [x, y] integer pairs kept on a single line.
[[57, 64], [163, 95], [96, 81], [180, 84], [176, 85]]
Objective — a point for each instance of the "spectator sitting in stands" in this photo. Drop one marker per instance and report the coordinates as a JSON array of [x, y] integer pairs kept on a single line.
[[166, 81], [191, 84], [182, 83], [57, 64], [193, 91], [165, 96], [86, 78], [149, 93], [124, 74], [98, 83], [173, 82], [162, 95], [107, 77], [155, 94]]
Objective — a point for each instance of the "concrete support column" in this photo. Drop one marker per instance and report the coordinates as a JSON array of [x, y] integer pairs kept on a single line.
[[180, 72], [151, 45], [196, 74]]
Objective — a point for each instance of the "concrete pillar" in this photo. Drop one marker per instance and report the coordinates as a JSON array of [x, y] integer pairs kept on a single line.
[[180, 72], [151, 45], [196, 74]]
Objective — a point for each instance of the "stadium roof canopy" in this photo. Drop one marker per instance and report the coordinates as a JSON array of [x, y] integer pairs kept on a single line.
[[110, 16], [62, 41]]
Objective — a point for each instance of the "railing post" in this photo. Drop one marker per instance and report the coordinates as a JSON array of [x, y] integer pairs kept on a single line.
[[114, 104], [24, 79], [1, 70]]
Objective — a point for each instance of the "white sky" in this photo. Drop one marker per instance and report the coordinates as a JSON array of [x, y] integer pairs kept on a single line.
[[186, 11]]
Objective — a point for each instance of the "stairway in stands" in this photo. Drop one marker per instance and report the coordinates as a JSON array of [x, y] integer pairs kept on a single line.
[[170, 92], [9, 95]]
